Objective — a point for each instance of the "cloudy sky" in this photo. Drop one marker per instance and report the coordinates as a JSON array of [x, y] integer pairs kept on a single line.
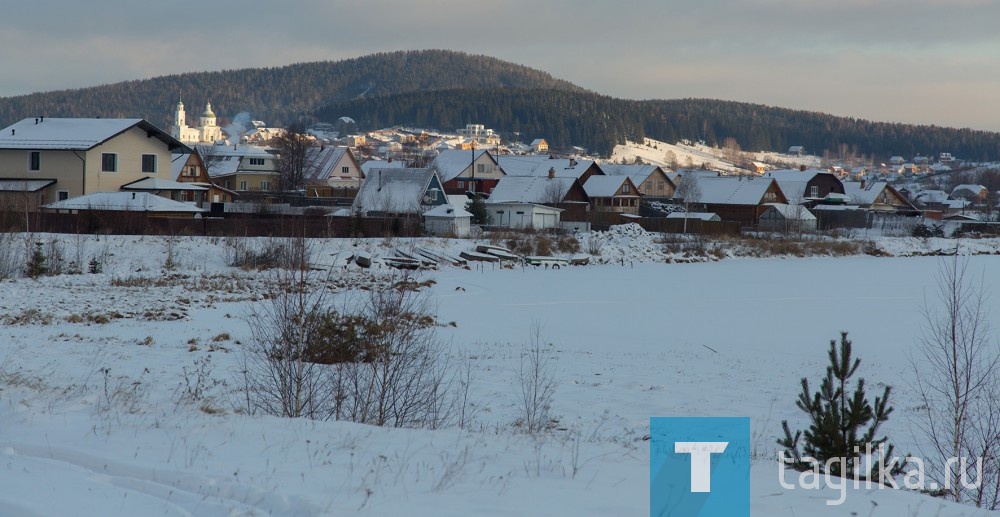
[[919, 61]]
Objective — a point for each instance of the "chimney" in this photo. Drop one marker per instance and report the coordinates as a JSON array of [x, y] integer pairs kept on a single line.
[[42, 119], [36, 121], [552, 173], [802, 168], [862, 183], [11, 132], [133, 195]]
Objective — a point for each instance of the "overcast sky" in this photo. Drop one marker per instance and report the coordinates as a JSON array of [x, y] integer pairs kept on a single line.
[[919, 61]]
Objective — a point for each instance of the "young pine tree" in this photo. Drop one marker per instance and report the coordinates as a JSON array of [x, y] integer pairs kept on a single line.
[[843, 424]]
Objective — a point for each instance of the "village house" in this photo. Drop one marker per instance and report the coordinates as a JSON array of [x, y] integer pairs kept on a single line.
[[539, 145], [736, 198], [190, 168], [612, 194], [243, 168], [475, 171], [582, 170], [878, 196], [332, 167], [44, 160], [650, 180], [975, 194], [565, 193], [399, 192], [804, 186]]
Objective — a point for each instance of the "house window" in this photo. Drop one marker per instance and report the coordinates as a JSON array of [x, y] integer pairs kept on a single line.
[[814, 191], [345, 170], [256, 161], [193, 170], [243, 184], [35, 161], [625, 189], [265, 185], [62, 195], [480, 167], [149, 163], [770, 197], [460, 184], [229, 184], [109, 162]]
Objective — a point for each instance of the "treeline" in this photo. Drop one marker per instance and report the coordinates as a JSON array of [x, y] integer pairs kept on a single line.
[[445, 90], [598, 122], [280, 95]]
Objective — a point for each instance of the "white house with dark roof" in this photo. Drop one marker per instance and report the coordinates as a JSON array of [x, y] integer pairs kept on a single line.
[[78, 156]]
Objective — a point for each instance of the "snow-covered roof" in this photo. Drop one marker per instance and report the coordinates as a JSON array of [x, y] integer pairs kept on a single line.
[[368, 166], [930, 196], [605, 186], [791, 212], [732, 190], [321, 162], [23, 185], [393, 190], [160, 184], [864, 196], [793, 182], [74, 134], [704, 216], [450, 163], [447, 211], [638, 173], [531, 189], [123, 202], [539, 165], [975, 189]]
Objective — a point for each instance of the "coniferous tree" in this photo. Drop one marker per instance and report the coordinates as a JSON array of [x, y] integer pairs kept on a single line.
[[843, 423]]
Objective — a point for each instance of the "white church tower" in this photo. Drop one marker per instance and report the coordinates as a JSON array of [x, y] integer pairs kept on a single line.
[[208, 132]]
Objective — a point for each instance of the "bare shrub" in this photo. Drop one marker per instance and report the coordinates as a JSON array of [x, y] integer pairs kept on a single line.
[[376, 361], [536, 383], [277, 378], [402, 378], [543, 246], [10, 255], [268, 253], [568, 244]]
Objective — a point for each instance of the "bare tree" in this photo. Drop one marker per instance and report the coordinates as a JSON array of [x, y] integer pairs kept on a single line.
[[956, 376], [553, 192], [213, 158], [689, 191], [296, 157]]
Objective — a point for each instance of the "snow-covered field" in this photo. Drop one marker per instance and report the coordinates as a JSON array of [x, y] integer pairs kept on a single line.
[[99, 413]]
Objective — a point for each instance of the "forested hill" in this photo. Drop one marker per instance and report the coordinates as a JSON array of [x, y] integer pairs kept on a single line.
[[279, 95], [445, 90], [598, 122]]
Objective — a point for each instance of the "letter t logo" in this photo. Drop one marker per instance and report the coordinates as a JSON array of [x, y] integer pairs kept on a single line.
[[701, 461]]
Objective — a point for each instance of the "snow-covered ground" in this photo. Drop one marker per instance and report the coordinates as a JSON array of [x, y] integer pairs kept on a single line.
[[100, 372], [694, 155]]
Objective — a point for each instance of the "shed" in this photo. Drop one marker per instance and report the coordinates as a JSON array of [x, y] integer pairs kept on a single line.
[[523, 215], [448, 220], [787, 218]]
